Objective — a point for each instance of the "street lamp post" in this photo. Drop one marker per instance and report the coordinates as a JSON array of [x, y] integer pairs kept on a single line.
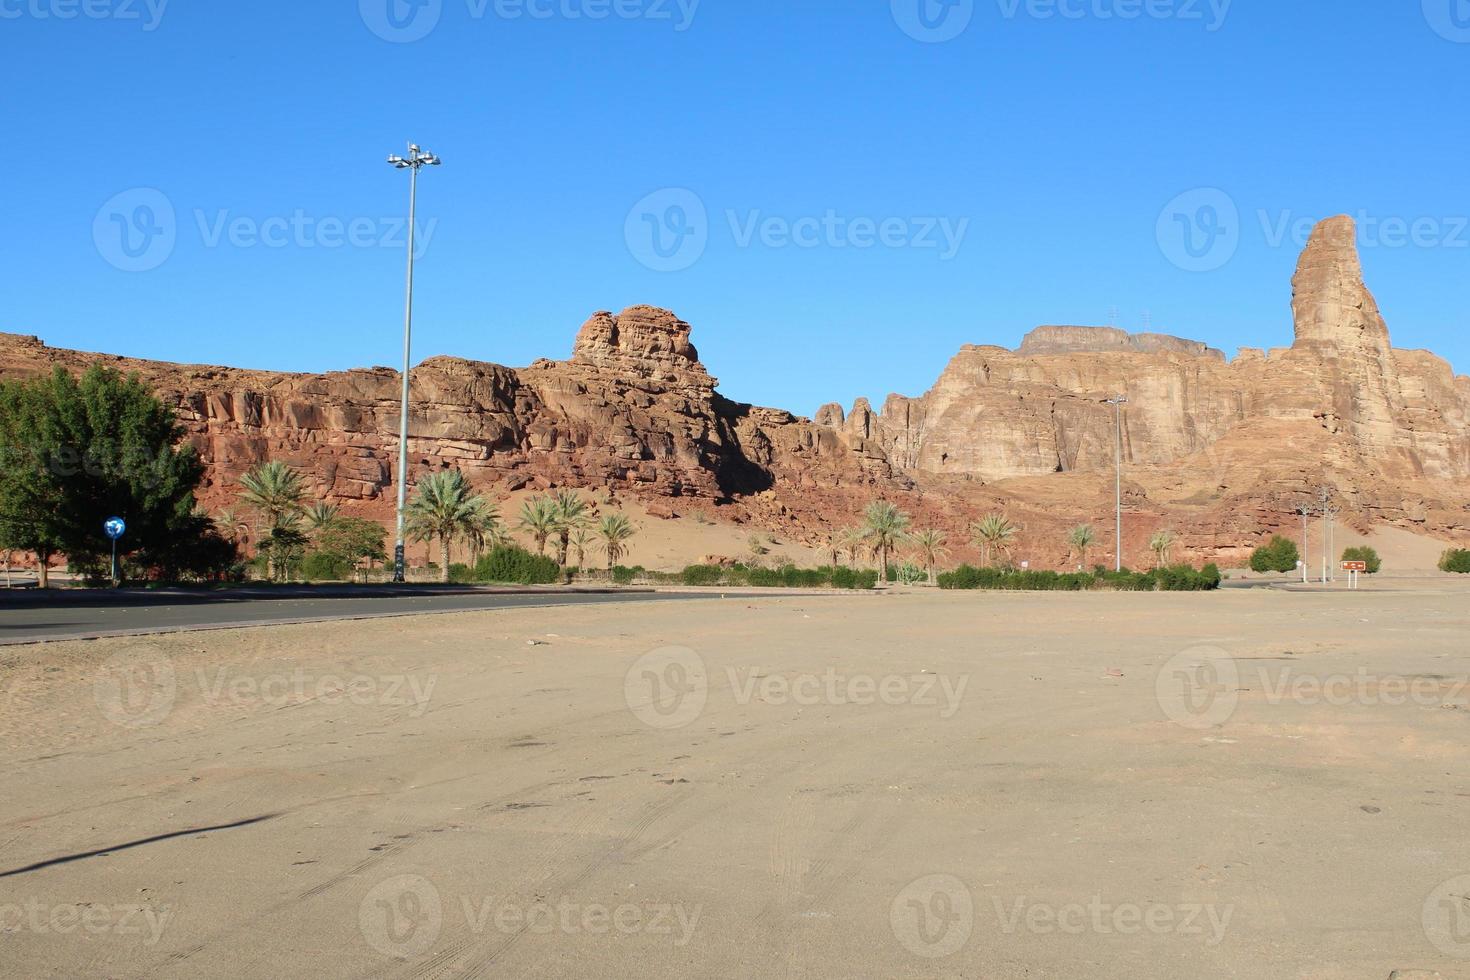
[[416, 159], [1118, 403]]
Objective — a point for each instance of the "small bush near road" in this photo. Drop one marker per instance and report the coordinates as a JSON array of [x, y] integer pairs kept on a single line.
[[1280, 555], [1367, 556], [1455, 560]]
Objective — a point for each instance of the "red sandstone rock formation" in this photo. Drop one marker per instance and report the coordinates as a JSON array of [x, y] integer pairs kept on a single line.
[[1220, 451]]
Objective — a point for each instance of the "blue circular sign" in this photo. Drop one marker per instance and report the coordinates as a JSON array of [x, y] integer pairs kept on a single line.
[[114, 527]]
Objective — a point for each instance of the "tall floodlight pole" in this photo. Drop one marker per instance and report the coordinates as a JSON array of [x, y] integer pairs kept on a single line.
[[415, 160], [1306, 511], [1118, 403]]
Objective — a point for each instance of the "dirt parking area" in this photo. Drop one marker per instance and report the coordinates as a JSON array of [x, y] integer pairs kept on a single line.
[[1250, 784]]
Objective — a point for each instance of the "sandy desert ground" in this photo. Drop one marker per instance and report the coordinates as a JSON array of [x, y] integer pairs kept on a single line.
[[1253, 784]]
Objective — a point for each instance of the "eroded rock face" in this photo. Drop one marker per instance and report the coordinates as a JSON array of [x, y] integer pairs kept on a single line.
[[1220, 452]]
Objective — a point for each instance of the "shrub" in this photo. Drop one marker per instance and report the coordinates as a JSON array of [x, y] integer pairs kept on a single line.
[[702, 575], [325, 566], [1367, 556], [1280, 555], [516, 566], [623, 575], [461, 574], [1180, 578], [1455, 560]]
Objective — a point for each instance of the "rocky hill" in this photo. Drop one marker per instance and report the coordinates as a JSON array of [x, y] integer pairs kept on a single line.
[[1221, 451]]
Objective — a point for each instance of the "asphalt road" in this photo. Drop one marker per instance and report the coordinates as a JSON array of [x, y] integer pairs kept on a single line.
[[30, 617]]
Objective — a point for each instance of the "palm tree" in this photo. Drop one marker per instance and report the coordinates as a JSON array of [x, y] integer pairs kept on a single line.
[[483, 529], [1160, 544], [230, 524], [274, 491], [571, 514], [884, 528], [930, 545], [615, 530], [444, 507], [581, 543], [852, 540], [993, 531], [1081, 538], [321, 515], [834, 549], [538, 519]]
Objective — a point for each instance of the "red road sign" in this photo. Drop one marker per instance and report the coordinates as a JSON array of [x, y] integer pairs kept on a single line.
[[1354, 566]]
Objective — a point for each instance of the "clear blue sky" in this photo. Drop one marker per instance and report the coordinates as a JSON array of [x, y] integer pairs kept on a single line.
[[1056, 144]]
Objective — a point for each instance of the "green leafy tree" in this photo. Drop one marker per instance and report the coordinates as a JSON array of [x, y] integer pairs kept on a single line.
[[615, 530], [538, 519], [992, 532], [1366, 555], [76, 451], [444, 507], [1278, 555], [354, 540], [1081, 539], [884, 527]]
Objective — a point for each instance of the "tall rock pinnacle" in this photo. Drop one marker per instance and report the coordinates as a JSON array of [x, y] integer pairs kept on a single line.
[[1330, 303]]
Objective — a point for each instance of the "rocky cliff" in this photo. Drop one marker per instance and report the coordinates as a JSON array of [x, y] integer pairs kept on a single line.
[[1221, 451]]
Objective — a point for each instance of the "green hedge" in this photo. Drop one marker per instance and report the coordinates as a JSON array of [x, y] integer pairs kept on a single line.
[[326, 566], [785, 577], [516, 566], [1455, 560], [1180, 578]]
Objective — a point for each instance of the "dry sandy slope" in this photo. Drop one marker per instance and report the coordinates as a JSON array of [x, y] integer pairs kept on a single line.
[[763, 837]]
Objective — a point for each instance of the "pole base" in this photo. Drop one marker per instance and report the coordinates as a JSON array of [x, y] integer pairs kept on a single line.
[[399, 566]]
